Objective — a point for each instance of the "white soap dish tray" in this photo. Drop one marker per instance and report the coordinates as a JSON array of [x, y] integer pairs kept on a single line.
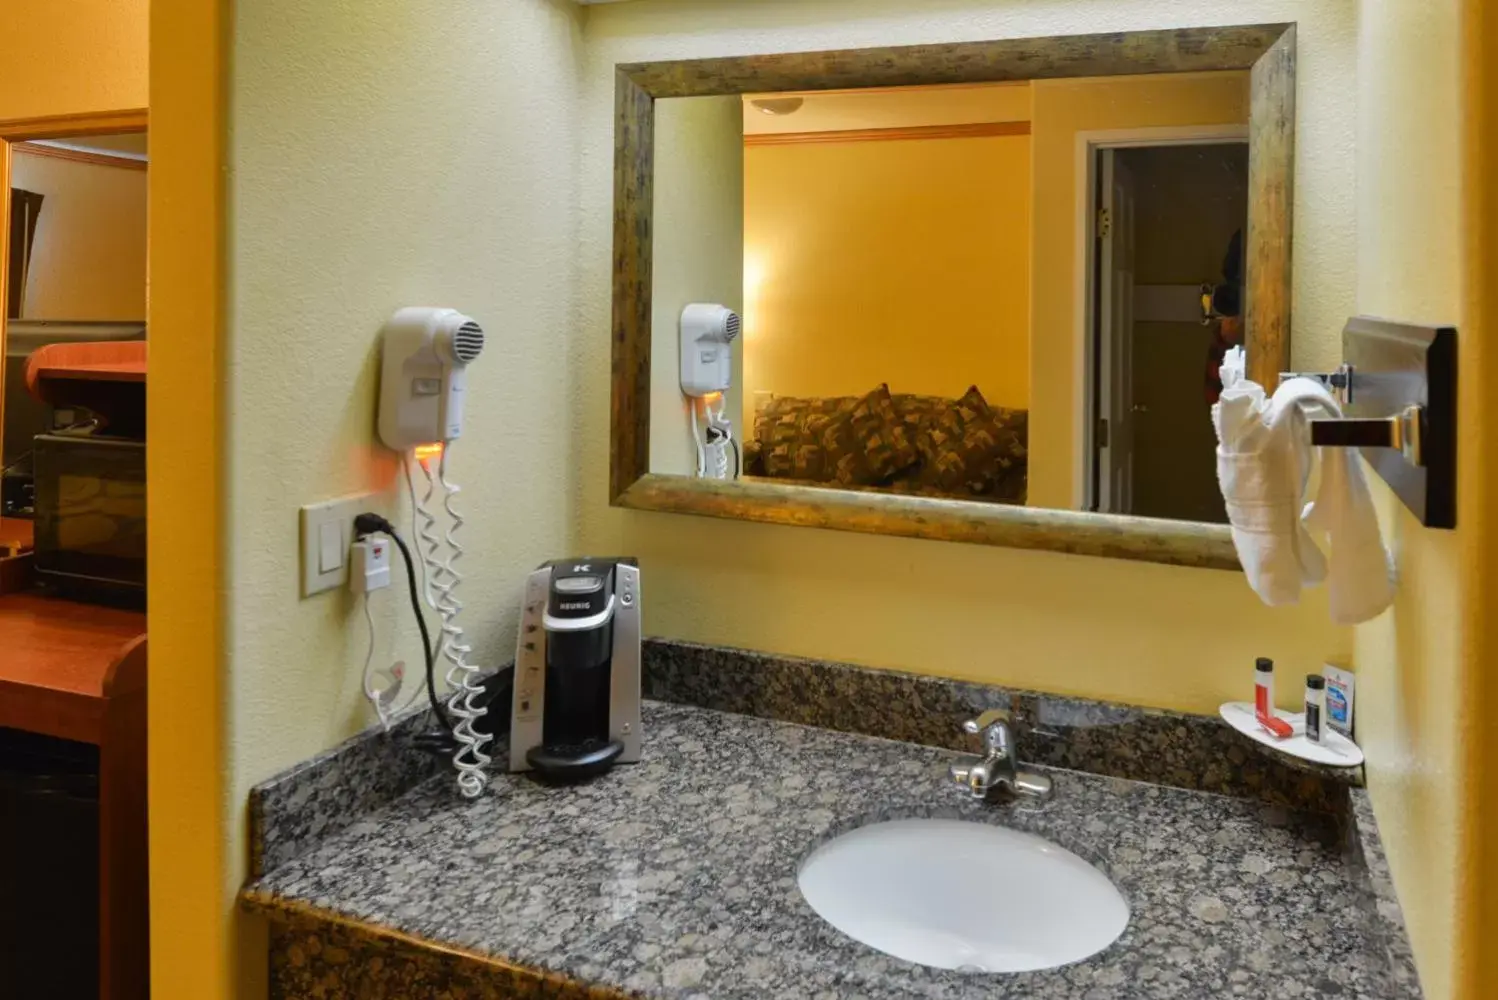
[[1336, 751]]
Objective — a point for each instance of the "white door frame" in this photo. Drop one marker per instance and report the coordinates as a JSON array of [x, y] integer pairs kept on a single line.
[[1085, 213]]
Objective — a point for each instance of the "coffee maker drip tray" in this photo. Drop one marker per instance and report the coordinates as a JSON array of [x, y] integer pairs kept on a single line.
[[574, 762]]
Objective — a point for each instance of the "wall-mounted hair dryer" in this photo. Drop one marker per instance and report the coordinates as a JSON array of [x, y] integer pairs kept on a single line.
[[707, 330], [707, 334], [424, 374]]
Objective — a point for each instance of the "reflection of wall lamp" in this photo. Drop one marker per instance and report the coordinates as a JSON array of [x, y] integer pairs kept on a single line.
[[778, 105]]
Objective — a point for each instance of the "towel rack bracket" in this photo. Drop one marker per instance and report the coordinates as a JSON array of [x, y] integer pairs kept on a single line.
[[1397, 385]]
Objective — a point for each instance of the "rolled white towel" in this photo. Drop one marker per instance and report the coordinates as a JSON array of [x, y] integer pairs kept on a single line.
[[1264, 461]]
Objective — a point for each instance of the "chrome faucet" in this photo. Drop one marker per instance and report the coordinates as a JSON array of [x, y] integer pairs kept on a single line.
[[998, 769]]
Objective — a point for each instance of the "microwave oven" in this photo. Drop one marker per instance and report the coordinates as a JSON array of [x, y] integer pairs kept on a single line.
[[90, 523]]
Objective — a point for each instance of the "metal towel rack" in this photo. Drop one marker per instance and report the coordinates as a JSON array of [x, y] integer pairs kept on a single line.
[[1403, 430], [1398, 385]]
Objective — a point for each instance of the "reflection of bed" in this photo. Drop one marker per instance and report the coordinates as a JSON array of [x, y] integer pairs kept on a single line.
[[894, 443]]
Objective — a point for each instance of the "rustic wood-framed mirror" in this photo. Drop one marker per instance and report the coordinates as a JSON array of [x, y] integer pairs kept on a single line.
[[900, 475]]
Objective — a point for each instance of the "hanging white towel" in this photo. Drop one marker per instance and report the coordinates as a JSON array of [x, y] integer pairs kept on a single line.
[[1264, 462], [1360, 583]]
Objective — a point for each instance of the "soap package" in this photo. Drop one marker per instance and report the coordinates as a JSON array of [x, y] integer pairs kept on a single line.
[[1339, 691]]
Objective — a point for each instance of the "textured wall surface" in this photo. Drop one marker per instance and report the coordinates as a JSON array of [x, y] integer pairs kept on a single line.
[[72, 58], [1158, 635], [1409, 659], [88, 260], [387, 154]]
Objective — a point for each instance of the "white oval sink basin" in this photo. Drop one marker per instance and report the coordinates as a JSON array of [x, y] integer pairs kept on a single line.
[[966, 896]]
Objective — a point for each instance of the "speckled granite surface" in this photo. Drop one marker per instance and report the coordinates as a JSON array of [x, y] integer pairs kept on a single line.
[[1168, 748], [293, 811], [1368, 853], [676, 878]]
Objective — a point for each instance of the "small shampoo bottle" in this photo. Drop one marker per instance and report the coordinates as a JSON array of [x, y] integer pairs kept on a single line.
[[1264, 699], [1315, 708]]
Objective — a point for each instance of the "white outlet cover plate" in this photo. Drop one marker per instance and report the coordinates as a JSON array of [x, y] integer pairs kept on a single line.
[[338, 513]]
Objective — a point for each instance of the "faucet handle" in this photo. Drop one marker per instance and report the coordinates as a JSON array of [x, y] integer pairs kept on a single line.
[[982, 722], [993, 727]]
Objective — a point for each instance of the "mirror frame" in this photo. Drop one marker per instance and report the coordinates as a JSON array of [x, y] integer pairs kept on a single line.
[[1266, 50]]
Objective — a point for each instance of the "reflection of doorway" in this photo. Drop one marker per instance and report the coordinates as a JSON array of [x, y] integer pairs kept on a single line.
[[1164, 222], [72, 273]]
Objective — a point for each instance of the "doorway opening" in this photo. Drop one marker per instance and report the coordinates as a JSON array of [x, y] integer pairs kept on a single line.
[[72, 552], [1168, 223], [72, 358]]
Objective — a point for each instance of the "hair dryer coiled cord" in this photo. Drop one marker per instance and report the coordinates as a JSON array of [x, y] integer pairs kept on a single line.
[[470, 760]]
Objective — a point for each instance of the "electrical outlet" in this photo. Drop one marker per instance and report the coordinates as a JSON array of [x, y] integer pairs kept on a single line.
[[327, 534]]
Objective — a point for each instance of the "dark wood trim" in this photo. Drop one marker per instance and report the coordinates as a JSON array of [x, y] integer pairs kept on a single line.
[[1183, 543], [124, 856], [975, 130], [1271, 211], [1266, 50], [92, 157]]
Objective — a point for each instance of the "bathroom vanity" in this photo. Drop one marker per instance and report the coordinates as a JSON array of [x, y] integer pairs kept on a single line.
[[677, 878]]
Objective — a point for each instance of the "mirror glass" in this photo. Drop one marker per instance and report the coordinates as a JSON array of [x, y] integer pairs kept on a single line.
[[1013, 293]]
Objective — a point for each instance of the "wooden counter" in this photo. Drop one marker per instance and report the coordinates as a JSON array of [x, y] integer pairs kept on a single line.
[[16, 534], [78, 672]]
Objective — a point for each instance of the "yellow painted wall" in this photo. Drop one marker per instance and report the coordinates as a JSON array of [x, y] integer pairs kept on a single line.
[[1064, 108], [904, 262], [333, 227], [317, 94], [196, 853], [1149, 634], [89, 256], [74, 57], [1476, 958], [1414, 718]]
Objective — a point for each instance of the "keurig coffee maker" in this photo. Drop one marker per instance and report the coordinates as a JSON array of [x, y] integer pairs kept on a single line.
[[576, 707]]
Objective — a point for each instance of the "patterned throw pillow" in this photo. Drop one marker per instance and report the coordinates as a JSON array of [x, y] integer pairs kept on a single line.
[[868, 444], [789, 433], [969, 446], [915, 410]]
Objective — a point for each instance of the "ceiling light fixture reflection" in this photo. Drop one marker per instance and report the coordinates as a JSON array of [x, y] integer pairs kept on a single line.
[[778, 105]]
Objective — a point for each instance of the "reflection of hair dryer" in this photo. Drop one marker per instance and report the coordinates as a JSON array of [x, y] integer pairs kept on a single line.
[[706, 358], [707, 333], [424, 374]]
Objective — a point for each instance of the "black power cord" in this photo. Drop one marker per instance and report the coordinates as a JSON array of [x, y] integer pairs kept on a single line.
[[442, 741]]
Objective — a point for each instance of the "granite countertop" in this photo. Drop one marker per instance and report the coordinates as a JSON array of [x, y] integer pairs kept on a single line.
[[676, 877]]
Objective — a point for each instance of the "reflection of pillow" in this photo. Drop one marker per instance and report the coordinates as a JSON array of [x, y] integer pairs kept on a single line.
[[868, 444], [968, 446], [789, 433]]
